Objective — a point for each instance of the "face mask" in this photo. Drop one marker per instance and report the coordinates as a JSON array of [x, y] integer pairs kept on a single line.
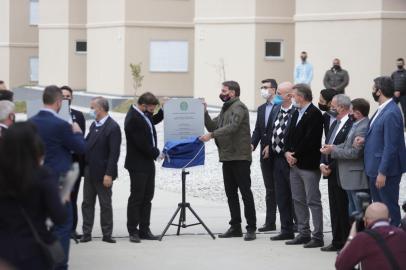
[[277, 100], [224, 98], [400, 67], [294, 103], [333, 112], [375, 96], [148, 114], [92, 114], [337, 67], [304, 59], [265, 94], [323, 107]]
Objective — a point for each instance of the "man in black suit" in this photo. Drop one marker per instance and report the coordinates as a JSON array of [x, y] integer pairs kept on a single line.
[[7, 115], [103, 144], [142, 151], [265, 117], [303, 155], [77, 117], [337, 196]]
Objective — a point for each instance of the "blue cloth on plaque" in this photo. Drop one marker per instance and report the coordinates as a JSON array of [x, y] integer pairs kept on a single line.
[[183, 153]]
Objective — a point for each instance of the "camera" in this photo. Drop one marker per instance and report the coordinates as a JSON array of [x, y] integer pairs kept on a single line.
[[362, 203]]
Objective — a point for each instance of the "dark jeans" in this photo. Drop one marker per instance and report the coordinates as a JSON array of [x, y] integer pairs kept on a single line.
[[139, 202], [338, 200], [283, 193], [63, 233], [93, 188], [74, 200], [237, 176], [389, 195], [267, 174]]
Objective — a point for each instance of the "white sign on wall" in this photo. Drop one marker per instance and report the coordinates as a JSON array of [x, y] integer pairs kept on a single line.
[[168, 56]]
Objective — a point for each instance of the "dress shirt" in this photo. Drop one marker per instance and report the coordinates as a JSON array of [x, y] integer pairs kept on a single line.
[[149, 124], [380, 108], [301, 112], [101, 121], [304, 73], [268, 109]]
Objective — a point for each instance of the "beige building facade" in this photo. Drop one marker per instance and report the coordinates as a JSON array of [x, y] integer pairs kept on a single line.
[[188, 47], [18, 42]]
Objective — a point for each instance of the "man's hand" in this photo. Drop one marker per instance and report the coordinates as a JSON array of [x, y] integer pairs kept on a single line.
[[290, 158], [265, 152], [325, 170], [206, 137], [76, 128], [397, 94], [358, 142], [107, 181], [380, 181], [327, 149]]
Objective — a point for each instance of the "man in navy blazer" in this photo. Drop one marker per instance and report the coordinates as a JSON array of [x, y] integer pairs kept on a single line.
[[60, 139], [385, 152], [266, 114]]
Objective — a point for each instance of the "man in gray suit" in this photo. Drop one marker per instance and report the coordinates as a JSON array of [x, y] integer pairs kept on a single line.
[[350, 160]]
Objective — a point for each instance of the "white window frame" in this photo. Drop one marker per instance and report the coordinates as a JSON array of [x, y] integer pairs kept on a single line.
[[80, 52], [33, 20], [281, 57], [168, 69], [30, 68]]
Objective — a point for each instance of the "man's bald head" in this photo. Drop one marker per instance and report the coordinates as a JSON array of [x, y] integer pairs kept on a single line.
[[286, 87], [376, 211], [285, 90]]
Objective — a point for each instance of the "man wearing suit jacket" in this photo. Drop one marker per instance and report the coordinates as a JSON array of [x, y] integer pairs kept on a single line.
[[60, 140], [142, 151], [7, 115], [103, 144], [350, 159], [265, 117], [279, 133], [384, 152], [340, 224], [78, 117], [303, 155]]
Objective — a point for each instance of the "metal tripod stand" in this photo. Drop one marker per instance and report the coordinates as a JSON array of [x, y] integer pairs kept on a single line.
[[182, 206]]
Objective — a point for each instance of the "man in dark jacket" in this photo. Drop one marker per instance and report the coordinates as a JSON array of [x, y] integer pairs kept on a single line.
[[303, 155], [103, 144], [231, 131], [336, 77], [399, 80]]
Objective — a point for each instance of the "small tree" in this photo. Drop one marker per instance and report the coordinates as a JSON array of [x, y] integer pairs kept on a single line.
[[136, 74]]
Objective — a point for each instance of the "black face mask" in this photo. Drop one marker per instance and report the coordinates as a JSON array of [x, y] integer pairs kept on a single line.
[[224, 98], [304, 59], [375, 96], [400, 66], [148, 114], [323, 107], [337, 67]]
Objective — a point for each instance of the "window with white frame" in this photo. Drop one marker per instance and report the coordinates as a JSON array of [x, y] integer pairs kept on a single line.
[[34, 12], [34, 69], [274, 49], [168, 56]]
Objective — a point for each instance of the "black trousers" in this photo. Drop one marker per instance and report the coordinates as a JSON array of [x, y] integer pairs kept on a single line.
[[270, 201], [283, 193], [91, 189], [74, 201], [139, 202], [338, 200], [237, 176]]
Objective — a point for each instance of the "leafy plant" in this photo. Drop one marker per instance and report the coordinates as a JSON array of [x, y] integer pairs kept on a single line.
[[136, 74]]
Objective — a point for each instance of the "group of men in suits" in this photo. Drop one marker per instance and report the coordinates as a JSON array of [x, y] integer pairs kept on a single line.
[[357, 155]]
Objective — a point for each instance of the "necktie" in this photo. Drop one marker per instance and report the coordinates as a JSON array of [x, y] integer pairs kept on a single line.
[[334, 129]]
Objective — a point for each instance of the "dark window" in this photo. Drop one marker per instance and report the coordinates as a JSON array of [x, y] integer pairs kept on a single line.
[[81, 46], [273, 49]]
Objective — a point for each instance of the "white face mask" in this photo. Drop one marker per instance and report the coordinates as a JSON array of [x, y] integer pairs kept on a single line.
[[265, 94], [294, 104], [92, 114]]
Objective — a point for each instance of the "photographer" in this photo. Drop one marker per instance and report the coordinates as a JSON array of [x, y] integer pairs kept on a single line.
[[365, 248]]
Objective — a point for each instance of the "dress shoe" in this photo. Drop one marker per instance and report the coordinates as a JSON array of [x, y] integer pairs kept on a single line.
[[135, 238], [147, 235], [330, 248], [314, 243], [283, 236], [233, 231], [250, 235], [109, 239], [267, 228], [85, 238], [299, 240]]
